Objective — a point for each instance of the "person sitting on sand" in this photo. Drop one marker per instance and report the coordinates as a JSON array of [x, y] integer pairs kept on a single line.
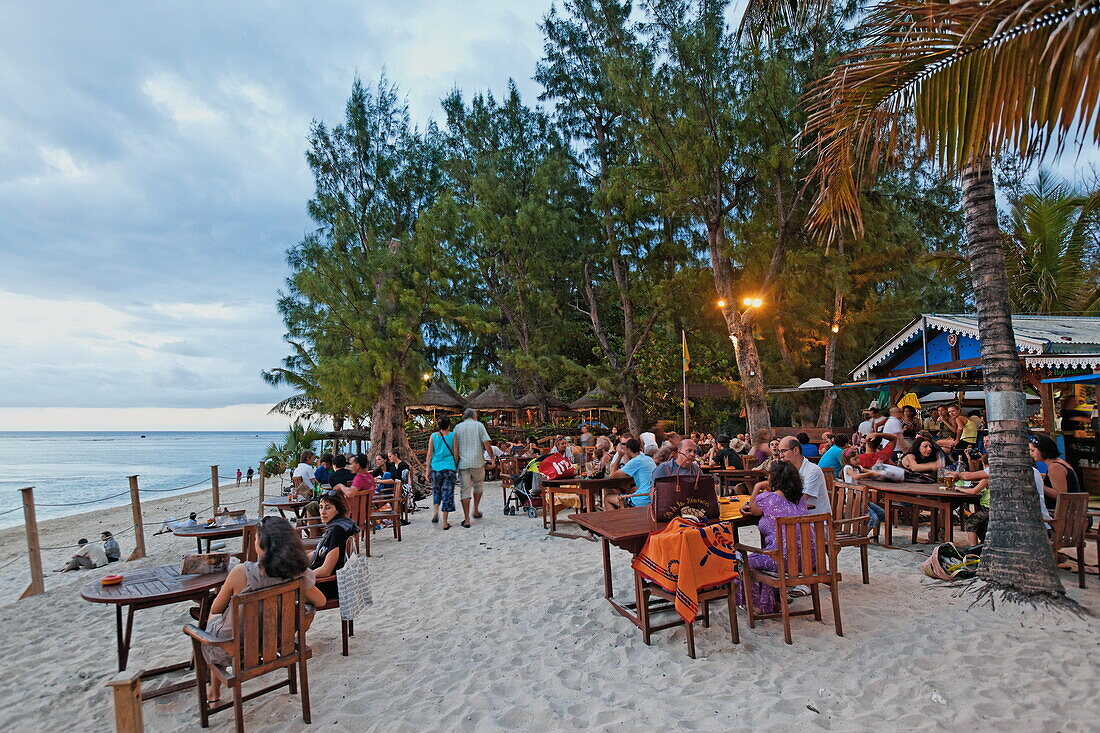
[[87, 557], [281, 557], [171, 525], [110, 547], [329, 555], [780, 496]]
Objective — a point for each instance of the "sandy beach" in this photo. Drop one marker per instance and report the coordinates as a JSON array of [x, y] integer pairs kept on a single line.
[[502, 628]]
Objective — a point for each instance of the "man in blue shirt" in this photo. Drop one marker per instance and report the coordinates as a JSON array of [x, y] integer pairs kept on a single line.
[[834, 457], [630, 462]]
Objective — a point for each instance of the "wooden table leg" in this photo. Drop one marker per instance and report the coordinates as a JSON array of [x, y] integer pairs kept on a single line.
[[123, 652], [889, 521], [608, 589]]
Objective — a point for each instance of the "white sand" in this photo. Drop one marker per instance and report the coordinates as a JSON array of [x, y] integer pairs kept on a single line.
[[502, 627]]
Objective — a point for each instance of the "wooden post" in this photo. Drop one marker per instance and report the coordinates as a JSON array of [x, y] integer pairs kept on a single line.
[[34, 548], [215, 490], [126, 687], [260, 506], [139, 529]]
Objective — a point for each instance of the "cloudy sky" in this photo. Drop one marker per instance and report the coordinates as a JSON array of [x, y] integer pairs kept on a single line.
[[152, 176]]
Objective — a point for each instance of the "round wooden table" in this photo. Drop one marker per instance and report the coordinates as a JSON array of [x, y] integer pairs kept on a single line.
[[285, 503], [149, 588], [214, 532]]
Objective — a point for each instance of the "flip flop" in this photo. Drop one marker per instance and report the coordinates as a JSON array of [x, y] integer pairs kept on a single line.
[[435, 520], [446, 527], [466, 526], [477, 515]]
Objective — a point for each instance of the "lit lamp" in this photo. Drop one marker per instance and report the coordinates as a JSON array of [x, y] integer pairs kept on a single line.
[[835, 328], [721, 304], [426, 376]]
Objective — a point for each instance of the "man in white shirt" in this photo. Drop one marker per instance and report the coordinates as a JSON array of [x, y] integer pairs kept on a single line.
[[302, 478], [813, 479], [648, 440], [87, 557], [893, 424], [472, 445], [868, 426]]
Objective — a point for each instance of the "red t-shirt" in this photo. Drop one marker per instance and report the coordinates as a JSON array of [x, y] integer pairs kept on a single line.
[[885, 455], [363, 481]]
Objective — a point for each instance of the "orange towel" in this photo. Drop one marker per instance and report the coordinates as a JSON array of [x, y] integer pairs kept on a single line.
[[685, 557]]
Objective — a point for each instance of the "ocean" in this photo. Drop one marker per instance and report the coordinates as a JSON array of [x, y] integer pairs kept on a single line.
[[69, 467]]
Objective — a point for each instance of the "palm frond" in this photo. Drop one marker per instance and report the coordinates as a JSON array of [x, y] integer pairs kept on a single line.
[[763, 16], [979, 76]]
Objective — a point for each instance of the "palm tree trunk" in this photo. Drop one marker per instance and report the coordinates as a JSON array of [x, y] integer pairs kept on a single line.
[[1017, 560]]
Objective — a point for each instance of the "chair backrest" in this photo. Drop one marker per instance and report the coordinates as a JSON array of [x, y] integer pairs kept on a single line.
[[360, 505], [808, 547], [830, 484], [248, 543], [267, 629], [749, 462], [850, 502], [1070, 519]]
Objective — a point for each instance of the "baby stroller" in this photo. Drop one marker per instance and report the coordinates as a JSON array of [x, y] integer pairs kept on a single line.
[[525, 494]]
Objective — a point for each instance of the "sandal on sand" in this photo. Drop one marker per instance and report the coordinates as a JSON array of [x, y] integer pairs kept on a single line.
[[446, 527], [466, 525], [477, 515], [435, 520]]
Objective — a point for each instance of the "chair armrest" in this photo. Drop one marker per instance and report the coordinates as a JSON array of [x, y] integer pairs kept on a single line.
[[853, 521], [747, 548], [203, 636]]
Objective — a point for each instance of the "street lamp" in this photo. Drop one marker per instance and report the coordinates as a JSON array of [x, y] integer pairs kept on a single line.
[[721, 304], [752, 302]]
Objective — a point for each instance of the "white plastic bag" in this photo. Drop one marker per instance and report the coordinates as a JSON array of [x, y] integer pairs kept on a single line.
[[353, 585]]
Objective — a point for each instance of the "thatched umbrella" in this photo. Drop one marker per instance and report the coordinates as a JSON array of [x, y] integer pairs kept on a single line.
[[438, 395], [532, 400], [596, 399], [493, 399], [474, 395]]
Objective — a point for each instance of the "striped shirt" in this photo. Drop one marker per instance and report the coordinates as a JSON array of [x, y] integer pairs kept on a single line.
[[470, 436]]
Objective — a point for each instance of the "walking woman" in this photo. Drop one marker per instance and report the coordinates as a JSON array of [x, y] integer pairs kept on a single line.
[[442, 460]]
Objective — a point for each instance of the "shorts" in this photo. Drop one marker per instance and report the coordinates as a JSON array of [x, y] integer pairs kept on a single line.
[[473, 481], [443, 489], [978, 522]]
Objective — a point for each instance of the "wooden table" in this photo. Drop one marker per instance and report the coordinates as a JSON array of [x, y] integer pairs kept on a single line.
[[150, 588], [628, 529], [214, 532], [586, 488], [929, 496], [285, 503]]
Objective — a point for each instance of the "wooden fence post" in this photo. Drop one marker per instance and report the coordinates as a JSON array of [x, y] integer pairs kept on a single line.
[[34, 548], [126, 687], [214, 488], [260, 509], [139, 528]]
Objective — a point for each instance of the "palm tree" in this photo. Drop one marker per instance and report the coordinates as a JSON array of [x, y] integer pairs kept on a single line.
[[298, 438], [1052, 251], [978, 77]]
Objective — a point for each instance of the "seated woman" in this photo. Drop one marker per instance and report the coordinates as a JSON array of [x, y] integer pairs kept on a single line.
[[923, 457], [781, 496], [1060, 476], [281, 558], [329, 555], [387, 484]]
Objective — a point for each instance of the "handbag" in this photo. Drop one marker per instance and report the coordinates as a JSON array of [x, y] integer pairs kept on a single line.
[[671, 495], [353, 586]]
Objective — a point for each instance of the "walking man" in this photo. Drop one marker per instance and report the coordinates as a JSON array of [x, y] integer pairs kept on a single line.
[[249, 475], [473, 444]]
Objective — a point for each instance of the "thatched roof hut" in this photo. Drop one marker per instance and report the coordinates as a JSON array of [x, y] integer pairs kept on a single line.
[[532, 400], [439, 395], [596, 399], [493, 399]]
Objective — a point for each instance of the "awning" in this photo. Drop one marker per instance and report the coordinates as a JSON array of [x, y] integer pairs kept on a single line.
[[1078, 378], [878, 382]]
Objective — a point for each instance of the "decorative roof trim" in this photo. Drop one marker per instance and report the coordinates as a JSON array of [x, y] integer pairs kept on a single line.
[[1062, 361]]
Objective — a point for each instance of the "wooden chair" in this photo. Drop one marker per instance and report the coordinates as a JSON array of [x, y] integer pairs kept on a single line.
[[248, 543], [1068, 529], [375, 512], [852, 521], [801, 562], [268, 634], [359, 508], [706, 595], [347, 625]]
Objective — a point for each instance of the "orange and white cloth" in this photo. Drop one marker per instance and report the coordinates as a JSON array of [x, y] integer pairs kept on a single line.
[[687, 556]]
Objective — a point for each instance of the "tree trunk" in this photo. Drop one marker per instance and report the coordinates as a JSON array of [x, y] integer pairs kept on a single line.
[[387, 425], [1017, 560], [740, 328]]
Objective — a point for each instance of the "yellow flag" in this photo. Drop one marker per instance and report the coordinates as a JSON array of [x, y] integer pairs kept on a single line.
[[687, 356]]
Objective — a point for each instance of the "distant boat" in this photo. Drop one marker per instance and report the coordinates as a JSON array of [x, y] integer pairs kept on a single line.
[[143, 436]]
